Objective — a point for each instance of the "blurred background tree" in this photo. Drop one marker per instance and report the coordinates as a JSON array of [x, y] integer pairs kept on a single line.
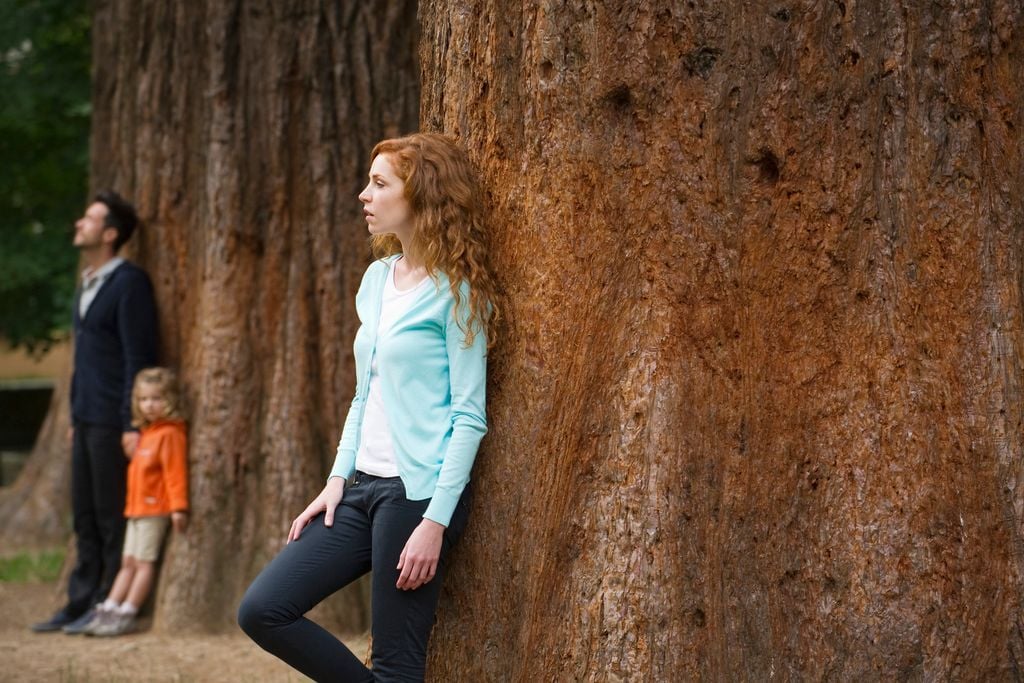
[[44, 156]]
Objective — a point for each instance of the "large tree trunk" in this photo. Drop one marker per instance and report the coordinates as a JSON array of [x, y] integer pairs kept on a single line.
[[242, 131], [757, 410]]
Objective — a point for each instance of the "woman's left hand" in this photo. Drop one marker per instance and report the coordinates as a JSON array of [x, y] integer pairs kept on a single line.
[[418, 561]]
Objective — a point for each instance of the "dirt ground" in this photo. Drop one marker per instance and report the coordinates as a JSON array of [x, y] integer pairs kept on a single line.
[[145, 656]]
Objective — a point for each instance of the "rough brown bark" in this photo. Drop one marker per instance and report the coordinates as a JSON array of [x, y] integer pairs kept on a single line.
[[34, 510], [242, 132], [757, 412]]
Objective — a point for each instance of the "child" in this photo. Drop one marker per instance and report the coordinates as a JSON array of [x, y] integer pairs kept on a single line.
[[157, 493]]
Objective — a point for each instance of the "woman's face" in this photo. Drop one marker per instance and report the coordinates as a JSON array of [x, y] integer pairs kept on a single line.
[[385, 207]]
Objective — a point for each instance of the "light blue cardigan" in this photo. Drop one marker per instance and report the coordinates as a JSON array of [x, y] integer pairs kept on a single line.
[[433, 389]]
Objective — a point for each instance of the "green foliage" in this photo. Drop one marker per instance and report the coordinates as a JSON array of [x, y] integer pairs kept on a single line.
[[44, 157], [25, 567]]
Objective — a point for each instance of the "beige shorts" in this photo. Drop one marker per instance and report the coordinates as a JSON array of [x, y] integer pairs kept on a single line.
[[143, 537]]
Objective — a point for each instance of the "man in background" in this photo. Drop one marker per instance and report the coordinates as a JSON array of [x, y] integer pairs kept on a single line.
[[115, 330]]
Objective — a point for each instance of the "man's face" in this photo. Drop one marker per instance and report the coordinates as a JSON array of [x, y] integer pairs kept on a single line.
[[90, 232]]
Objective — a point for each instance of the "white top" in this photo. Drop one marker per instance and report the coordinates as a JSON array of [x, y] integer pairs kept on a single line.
[[92, 280], [376, 454]]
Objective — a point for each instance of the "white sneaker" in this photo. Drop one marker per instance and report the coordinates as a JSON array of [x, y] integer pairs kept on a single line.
[[101, 616], [115, 624]]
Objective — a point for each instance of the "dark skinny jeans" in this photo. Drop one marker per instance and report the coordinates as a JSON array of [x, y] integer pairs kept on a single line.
[[371, 526]]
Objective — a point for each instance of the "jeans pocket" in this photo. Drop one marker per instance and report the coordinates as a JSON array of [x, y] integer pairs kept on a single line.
[[398, 496]]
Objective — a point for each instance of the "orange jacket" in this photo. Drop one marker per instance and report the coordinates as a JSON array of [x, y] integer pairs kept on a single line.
[[158, 471]]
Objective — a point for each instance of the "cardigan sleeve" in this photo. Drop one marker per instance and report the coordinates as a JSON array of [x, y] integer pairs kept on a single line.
[[137, 329], [345, 457], [467, 368]]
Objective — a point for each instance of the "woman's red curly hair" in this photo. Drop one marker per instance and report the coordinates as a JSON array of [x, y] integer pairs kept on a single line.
[[442, 189]]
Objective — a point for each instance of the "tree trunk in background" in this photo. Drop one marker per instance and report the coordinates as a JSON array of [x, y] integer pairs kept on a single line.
[[242, 132], [757, 411]]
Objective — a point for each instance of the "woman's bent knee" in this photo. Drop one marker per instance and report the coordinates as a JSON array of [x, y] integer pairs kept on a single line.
[[249, 616], [257, 616]]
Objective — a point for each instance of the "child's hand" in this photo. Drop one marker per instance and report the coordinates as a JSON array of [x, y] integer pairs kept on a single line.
[[179, 520], [129, 441]]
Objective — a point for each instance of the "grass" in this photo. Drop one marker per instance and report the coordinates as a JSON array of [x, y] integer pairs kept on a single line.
[[27, 567]]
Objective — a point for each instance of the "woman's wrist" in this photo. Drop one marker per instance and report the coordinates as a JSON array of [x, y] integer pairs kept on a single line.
[[431, 524]]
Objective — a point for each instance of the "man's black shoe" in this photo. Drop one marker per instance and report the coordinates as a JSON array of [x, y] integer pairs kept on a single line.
[[78, 625], [55, 623]]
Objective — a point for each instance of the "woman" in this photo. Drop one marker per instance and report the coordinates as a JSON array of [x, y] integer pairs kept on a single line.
[[412, 433]]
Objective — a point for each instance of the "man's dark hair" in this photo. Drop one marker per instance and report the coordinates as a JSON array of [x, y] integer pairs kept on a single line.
[[120, 215]]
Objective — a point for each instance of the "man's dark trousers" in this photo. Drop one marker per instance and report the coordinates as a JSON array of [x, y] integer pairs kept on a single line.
[[98, 467]]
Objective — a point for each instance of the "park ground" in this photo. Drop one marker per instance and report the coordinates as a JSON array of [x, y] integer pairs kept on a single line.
[[144, 656]]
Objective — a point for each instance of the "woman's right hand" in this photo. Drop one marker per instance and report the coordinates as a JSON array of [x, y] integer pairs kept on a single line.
[[326, 502]]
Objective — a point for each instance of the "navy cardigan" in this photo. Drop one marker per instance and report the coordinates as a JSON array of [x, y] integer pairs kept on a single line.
[[116, 338]]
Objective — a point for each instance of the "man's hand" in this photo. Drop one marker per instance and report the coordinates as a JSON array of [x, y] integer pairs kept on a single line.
[[179, 520], [418, 562], [326, 502], [129, 442]]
